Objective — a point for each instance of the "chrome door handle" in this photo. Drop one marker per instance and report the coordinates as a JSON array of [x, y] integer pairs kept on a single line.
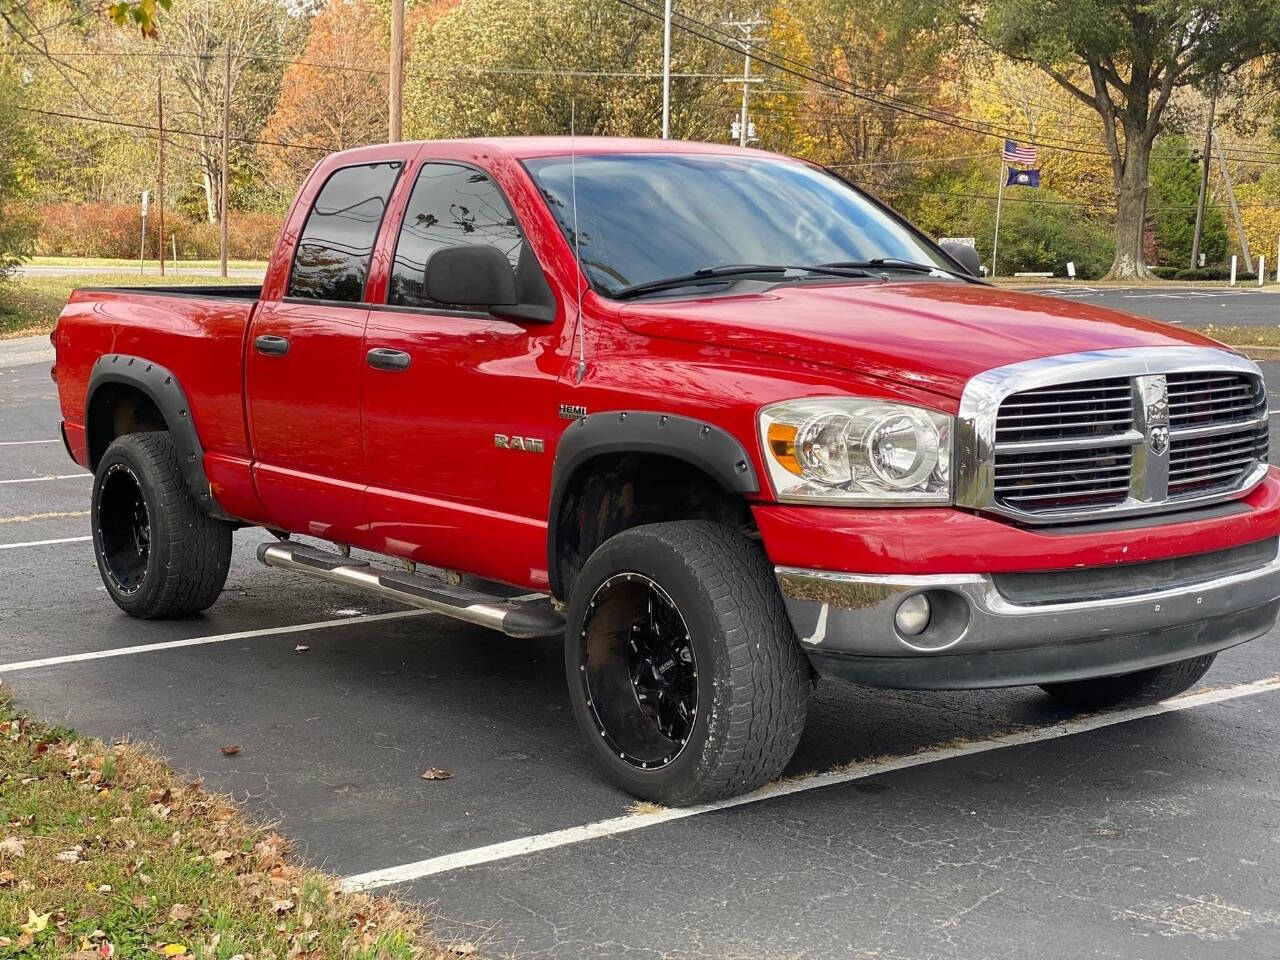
[[384, 358], [271, 346]]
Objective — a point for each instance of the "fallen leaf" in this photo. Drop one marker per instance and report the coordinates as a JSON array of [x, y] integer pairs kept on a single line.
[[301, 648], [13, 847], [435, 773], [141, 902], [69, 856], [180, 913], [230, 750], [173, 950], [282, 906], [221, 856], [361, 922], [36, 922], [7, 877], [464, 949]]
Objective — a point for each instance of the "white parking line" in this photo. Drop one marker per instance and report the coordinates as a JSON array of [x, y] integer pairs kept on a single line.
[[607, 828], [22, 443], [63, 476], [43, 543], [201, 641]]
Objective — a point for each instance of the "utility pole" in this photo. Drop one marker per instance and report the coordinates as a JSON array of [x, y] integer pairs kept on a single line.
[[160, 165], [226, 144], [1204, 183], [1235, 207], [746, 27], [396, 92], [666, 71]]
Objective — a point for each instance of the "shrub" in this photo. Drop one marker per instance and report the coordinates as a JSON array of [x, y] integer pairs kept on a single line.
[[111, 230], [1165, 273], [1217, 271]]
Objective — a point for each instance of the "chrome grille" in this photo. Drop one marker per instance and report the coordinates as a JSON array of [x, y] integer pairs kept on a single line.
[[1197, 464], [1128, 439]]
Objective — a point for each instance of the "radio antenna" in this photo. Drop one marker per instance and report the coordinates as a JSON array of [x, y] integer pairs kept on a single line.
[[577, 245]]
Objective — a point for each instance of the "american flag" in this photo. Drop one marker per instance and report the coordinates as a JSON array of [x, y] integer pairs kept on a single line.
[[1015, 154]]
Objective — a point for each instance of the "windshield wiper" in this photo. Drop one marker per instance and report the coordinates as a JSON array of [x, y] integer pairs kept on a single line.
[[894, 263], [726, 270]]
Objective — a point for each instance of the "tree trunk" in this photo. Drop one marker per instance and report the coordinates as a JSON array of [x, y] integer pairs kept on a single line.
[[1131, 208]]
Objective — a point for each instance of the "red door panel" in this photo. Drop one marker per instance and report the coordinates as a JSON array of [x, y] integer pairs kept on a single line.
[[443, 491], [304, 417]]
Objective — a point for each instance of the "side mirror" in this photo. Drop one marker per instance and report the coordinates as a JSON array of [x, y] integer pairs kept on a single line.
[[964, 255], [474, 275]]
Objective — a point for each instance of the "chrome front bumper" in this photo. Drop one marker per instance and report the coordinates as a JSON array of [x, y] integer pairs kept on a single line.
[[977, 637]]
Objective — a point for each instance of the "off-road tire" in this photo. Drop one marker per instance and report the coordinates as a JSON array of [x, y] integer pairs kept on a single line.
[[753, 680], [1133, 689], [188, 552]]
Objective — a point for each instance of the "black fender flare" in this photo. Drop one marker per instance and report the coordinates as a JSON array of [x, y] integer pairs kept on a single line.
[[709, 448], [163, 389]]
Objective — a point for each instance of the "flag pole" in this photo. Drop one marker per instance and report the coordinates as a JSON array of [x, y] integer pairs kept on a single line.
[[995, 241]]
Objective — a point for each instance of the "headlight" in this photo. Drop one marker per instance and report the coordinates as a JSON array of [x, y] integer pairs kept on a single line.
[[846, 449]]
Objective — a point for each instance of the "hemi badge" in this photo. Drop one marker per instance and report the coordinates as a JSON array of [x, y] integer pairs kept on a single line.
[[572, 411]]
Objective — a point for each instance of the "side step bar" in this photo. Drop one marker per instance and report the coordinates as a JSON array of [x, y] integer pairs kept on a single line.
[[516, 618]]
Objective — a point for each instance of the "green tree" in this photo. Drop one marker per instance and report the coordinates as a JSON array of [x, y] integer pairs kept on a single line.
[[1042, 230], [17, 227], [1125, 59], [510, 67], [1175, 189]]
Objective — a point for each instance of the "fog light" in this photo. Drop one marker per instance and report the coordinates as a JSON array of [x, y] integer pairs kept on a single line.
[[913, 615]]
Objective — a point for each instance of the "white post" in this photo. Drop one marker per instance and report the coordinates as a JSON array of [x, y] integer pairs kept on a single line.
[[1262, 270], [1233, 270], [1278, 261], [995, 240], [1071, 269], [666, 72]]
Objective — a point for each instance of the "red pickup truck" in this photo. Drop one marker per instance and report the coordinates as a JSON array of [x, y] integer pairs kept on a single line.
[[715, 416]]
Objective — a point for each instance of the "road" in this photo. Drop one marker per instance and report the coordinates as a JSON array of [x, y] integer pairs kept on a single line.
[[1140, 834], [1186, 306]]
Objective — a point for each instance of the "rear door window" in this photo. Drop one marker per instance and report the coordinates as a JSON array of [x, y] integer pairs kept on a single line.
[[450, 205], [332, 262]]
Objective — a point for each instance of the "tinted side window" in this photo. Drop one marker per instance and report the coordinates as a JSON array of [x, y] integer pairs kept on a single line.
[[450, 205], [332, 262]]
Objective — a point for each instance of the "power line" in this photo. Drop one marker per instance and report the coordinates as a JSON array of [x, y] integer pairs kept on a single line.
[[155, 129]]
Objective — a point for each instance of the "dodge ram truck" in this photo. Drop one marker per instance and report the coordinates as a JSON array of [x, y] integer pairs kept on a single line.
[[716, 417]]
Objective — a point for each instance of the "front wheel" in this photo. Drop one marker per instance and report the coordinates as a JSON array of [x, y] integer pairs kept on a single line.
[[159, 554], [683, 670], [1133, 689]]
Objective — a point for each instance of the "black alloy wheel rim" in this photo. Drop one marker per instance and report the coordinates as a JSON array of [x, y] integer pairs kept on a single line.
[[639, 671], [124, 528]]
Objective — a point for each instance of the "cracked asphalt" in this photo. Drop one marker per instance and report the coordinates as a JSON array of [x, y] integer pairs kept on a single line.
[[1158, 837]]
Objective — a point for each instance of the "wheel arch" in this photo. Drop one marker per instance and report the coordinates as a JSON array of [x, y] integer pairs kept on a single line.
[[129, 394], [599, 461]]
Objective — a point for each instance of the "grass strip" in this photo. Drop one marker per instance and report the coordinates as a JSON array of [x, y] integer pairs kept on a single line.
[[106, 852]]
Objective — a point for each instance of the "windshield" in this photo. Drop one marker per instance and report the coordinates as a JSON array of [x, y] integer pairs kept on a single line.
[[648, 217]]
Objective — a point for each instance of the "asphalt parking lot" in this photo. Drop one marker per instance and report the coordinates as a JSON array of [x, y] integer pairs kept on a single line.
[[1246, 305], [986, 824]]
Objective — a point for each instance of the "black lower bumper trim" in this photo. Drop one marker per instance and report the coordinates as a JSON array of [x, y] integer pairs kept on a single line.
[[1054, 663]]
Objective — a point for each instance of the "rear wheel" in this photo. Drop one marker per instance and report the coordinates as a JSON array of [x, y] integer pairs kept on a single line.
[[683, 670], [1133, 689], [159, 554]]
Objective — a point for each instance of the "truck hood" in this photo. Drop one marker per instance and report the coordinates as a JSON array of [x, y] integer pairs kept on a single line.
[[931, 335]]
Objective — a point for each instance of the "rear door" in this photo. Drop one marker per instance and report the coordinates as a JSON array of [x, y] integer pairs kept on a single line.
[[304, 362]]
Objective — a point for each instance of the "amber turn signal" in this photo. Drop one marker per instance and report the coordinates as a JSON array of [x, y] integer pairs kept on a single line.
[[782, 444]]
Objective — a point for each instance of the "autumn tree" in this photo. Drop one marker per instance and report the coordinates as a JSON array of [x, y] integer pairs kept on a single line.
[[334, 96], [199, 34], [1124, 60]]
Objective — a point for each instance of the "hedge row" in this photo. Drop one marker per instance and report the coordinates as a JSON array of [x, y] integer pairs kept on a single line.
[[1216, 272], [108, 230]]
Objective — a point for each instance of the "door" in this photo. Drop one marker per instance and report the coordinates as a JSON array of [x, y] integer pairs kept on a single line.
[[460, 427], [304, 359]]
